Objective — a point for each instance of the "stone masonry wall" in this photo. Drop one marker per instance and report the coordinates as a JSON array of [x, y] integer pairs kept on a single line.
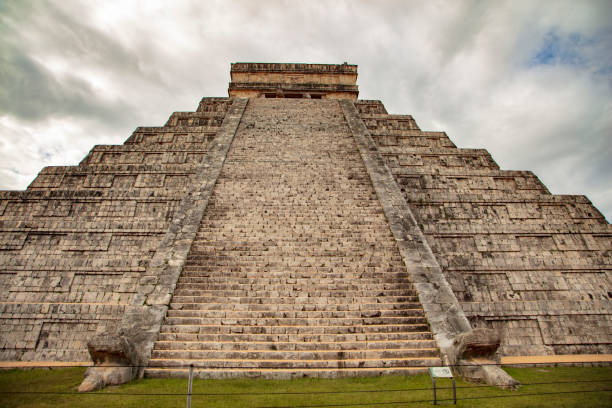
[[534, 265], [74, 244]]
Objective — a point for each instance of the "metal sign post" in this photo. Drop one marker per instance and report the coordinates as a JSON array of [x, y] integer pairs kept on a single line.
[[442, 372], [189, 386]]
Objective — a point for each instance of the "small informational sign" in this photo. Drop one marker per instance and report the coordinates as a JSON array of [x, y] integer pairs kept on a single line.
[[440, 372]]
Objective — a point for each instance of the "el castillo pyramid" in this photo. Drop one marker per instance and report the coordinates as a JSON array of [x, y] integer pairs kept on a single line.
[[292, 229]]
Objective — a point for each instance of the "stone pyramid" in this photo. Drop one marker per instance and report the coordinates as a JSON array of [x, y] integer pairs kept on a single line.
[[292, 229]]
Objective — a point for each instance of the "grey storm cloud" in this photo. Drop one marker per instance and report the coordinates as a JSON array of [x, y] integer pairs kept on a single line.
[[529, 81], [30, 92]]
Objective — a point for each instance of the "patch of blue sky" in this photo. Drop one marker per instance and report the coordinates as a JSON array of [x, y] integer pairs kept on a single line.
[[557, 49]]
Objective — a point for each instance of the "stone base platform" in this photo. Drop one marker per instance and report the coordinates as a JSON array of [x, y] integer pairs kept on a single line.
[[569, 359]]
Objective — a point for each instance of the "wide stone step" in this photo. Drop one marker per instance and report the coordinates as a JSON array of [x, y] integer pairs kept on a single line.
[[292, 355], [288, 259], [254, 314], [296, 338], [289, 307], [364, 232], [286, 345], [279, 321], [298, 364], [304, 299], [200, 273], [289, 292], [276, 329], [296, 253], [286, 253], [262, 266], [312, 285], [307, 247], [206, 246], [337, 221], [344, 234], [348, 225], [222, 279], [347, 268], [282, 374]]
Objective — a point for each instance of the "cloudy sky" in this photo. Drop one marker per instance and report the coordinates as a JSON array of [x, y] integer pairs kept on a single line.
[[531, 81]]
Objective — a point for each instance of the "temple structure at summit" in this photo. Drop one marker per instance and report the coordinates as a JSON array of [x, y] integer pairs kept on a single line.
[[310, 81], [292, 229]]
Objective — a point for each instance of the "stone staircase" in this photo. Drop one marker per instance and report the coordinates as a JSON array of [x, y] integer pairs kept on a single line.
[[294, 271]]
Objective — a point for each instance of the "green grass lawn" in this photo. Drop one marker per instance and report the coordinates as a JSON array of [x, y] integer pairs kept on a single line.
[[564, 387]]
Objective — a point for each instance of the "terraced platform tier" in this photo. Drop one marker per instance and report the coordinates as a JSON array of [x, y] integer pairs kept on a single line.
[[294, 271]]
